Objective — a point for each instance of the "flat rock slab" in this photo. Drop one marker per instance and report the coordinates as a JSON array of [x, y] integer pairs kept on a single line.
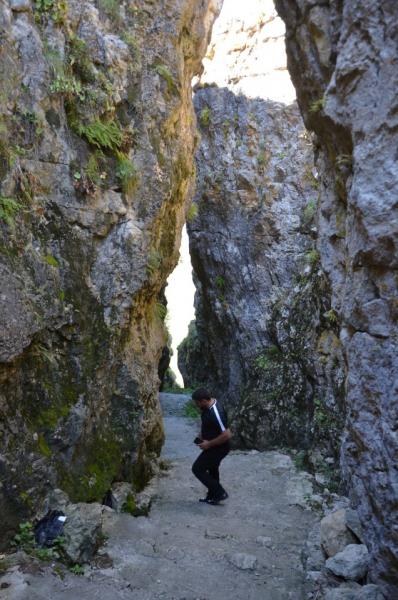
[[246, 548]]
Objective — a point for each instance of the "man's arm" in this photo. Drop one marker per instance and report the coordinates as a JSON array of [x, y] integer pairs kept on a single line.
[[220, 439]]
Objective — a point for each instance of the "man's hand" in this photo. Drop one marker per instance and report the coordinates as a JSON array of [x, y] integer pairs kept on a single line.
[[205, 445], [221, 439]]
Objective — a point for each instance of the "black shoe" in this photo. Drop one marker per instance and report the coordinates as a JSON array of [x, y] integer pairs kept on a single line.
[[218, 499], [205, 498]]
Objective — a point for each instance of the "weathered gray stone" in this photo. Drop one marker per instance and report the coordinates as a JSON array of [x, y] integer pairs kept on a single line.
[[264, 540], [334, 533], [351, 563], [143, 502], [20, 5], [82, 531], [244, 561], [349, 592], [56, 500], [124, 499], [352, 521], [118, 495], [312, 555], [314, 576]]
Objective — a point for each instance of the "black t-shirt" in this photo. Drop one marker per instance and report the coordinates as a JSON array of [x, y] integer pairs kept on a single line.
[[214, 421]]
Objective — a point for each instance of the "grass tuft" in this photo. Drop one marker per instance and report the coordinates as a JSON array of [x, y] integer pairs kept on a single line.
[[193, 212], [166, 75], [127, 174], [102, 135], [319, 104], [205, 117], [8, 208]]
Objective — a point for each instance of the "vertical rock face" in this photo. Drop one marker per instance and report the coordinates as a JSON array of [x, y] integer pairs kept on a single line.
[[343, 62], [96, 153], [265, 339]]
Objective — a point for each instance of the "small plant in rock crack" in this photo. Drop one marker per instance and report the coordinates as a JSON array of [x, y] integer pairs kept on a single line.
[[160, 311], [299, 462], [166, 75], [331, 316], [112, 9], [133, 45], [282, 155], [344, 159], [220, 282], [155, 260], [261, 160], [312, 502], [103, 135], [319, 104], [226, 125], [269, 358], [193, 212], [320, 415], [77, 570], [57, 9], [312, 257], [309, 212], [205, 117], [127, 173], [8, 208]]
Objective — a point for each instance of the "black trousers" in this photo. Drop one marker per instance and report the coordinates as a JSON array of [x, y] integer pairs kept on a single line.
[[205, 468]]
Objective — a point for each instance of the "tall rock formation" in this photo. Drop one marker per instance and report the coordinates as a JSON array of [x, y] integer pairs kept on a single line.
[[265, 338], [96, 155], [343, 60]]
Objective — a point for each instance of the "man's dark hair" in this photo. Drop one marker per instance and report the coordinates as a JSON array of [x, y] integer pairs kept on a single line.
[[201, 394]]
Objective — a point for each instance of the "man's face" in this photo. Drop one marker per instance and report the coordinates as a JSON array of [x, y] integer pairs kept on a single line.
[[201, 404]]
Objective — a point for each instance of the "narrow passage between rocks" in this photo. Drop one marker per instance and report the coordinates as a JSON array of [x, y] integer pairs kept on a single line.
[[245, 549]]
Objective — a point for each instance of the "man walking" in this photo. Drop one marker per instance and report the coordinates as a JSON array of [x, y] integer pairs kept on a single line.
[[214, 436]]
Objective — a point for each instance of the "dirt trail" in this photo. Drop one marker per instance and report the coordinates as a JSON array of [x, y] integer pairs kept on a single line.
[[246, 549]]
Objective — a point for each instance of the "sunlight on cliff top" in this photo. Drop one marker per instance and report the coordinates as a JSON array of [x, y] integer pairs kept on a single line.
[[247, 52], [180, 293]]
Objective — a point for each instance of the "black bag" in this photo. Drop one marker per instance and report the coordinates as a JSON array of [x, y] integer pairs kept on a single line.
[[49, 528]]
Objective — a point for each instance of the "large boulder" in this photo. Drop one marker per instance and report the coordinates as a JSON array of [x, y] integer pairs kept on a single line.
[[351, 563], [335, 535], [83, 528]]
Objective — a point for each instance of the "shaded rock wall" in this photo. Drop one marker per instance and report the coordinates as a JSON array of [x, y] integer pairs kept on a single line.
[[342, 58], [265, 339], [96, 154]]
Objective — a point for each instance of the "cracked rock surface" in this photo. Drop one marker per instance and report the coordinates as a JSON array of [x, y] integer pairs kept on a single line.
[[342, 57]]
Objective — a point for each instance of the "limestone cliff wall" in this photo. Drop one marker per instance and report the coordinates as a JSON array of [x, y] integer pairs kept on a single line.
[[343, 60], [265, 338], [97, 133]]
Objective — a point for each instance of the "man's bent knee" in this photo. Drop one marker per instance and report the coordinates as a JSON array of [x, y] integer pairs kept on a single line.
[[195, 469]]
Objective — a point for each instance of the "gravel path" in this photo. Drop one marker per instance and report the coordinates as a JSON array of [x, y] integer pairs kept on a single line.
[[246, 549]]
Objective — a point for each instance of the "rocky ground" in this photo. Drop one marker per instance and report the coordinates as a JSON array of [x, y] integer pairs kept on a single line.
[[247, 548]]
